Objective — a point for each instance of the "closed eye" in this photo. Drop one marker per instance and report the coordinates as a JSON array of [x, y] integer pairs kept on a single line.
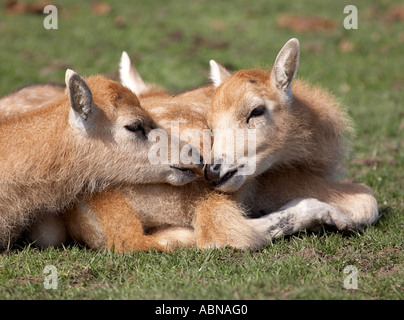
[[136, 127], [257, 112]]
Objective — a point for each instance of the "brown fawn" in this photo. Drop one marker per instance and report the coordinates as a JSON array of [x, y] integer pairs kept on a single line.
[[300, 135], [91, 137]]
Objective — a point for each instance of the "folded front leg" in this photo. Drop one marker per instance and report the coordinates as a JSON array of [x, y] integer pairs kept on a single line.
[[353, 199], [301, 214]]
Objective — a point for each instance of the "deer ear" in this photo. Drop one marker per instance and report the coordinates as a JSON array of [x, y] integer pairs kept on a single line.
[[218, 73], [129, 76], [285, 66], [80, 97]]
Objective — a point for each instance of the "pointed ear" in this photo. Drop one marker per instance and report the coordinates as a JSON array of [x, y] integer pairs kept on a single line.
[[285, 66], [80, 97], [218, 73], [129, 76]]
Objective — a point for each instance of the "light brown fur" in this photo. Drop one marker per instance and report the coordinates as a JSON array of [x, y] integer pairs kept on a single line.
[[146, 217], [28, 99], [120, 226], [74, 145]]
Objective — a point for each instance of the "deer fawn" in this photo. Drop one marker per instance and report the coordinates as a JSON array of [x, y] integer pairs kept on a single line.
[[91, 137], [299, 132]]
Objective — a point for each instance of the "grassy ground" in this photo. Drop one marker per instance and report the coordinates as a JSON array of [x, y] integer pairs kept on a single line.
[[171, 44]]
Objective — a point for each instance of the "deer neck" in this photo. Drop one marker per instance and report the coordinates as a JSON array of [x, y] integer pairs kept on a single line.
[[39, 158]]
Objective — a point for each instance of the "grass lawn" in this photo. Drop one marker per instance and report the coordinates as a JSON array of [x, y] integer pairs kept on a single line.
[[171, 43]]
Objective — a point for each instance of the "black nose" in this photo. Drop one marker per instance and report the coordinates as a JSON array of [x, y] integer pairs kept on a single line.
[[212, 171]]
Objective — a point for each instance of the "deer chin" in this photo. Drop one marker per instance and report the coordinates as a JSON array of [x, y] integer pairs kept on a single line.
[[230, 182], [229, 177]]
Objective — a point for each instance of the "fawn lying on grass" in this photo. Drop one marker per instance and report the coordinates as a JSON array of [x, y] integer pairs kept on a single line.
[[299, 132], [91, 137]]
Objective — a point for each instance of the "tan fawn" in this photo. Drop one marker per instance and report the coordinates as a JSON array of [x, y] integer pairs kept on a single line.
[[300, 134], [154, 216], [91, 137]]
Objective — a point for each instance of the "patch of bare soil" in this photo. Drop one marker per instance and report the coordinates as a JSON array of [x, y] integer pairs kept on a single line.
[[20, 7], [304, 23]]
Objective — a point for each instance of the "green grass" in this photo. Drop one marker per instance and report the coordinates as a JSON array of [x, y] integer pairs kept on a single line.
[[171, 43]]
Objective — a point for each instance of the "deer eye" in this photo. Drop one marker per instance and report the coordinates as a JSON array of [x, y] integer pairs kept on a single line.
[[257, 112], [136, 127]]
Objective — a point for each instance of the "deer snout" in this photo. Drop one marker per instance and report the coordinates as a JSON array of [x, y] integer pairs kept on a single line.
[[217, 174], [191, 162]]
